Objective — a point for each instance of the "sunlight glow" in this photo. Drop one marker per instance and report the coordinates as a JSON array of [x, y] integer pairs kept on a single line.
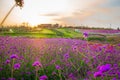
[[33, 19], [32, 10], [63, 12]]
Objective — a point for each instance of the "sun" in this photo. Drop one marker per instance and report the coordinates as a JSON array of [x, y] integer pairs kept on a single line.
[[35, 14], [34, 19], [38, 20]]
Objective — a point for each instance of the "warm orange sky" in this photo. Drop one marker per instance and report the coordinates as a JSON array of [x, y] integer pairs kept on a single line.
[[99, 13]]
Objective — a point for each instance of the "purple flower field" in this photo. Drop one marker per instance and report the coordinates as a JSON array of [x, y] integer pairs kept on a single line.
[[58, 59], [100, 31]]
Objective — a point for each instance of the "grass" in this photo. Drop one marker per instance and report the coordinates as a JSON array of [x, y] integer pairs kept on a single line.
[[57, 33], [70, 32], [113, 39], [46, 33], [96, 38]]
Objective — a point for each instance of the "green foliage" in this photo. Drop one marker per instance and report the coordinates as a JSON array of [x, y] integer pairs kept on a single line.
[[42, 33], [96, 39]]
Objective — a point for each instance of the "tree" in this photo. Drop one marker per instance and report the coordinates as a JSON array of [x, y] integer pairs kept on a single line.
[[118, 28], [18, 3]]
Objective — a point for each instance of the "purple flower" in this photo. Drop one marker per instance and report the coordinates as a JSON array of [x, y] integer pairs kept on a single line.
[[14, 56], [85, 34], [44, 77], [71, 75], [16, 66], [11, 78], [114, 79], [7, 61], [66, 56], [37, 63], [115, 65], [1, 68], [58, 67], [54, 73], [74, 48], [119, 44], [28, 73], [105, 68], [89, 73], [97, 74], [118, 74]]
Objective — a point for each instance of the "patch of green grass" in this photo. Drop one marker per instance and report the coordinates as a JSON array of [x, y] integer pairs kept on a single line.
[[37, 35], [96, 39], [113, 39], [58, 33], [70, 32], [47, 33]]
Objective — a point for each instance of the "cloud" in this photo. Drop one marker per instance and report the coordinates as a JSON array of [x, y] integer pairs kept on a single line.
[[82, 4], [92, 16], [77, 17], [96, 3], [112, 3], [109, 15], [81, 15], [50, 14]]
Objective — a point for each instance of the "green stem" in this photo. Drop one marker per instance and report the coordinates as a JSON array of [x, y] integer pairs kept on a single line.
[[36, 74], [59, 72], [72, 64], [12, 68], [43, 70]]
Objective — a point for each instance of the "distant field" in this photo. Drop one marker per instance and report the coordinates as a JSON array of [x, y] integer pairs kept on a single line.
[[46, 33], [110, 36]]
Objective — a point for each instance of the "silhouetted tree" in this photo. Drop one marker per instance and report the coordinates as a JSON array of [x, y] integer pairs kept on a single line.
[[118, 28], [19, 3]]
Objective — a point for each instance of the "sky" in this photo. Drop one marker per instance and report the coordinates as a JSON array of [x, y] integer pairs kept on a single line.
[[94, 13]]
